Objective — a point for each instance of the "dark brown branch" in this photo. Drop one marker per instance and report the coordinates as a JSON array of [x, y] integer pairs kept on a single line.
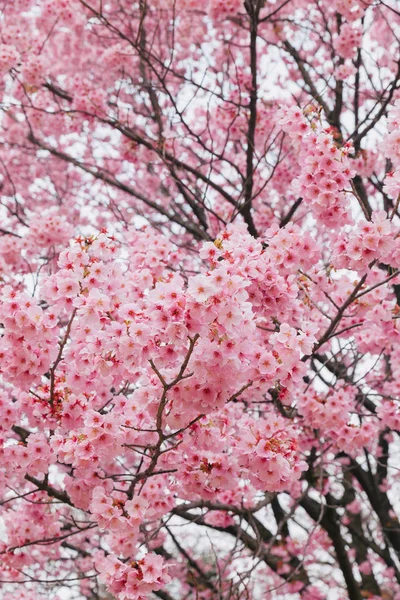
[[287, 218]]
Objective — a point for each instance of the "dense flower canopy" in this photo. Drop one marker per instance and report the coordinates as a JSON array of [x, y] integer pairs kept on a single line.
[[199, 297]]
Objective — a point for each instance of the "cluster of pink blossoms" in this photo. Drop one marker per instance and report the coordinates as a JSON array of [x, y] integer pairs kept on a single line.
[[33, 458], [325, 168], [217, 9], [351, 9], [29, 342], [64, 10], [392, 151], [9, 57], [343, 72], [389, 413], [332, 414], [348, 41], [267, 456], [134, 580], [368, 241], [35, 523], [48, 230], [222, 9]]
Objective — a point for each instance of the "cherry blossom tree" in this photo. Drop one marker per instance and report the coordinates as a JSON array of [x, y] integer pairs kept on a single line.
[[199, 297]]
